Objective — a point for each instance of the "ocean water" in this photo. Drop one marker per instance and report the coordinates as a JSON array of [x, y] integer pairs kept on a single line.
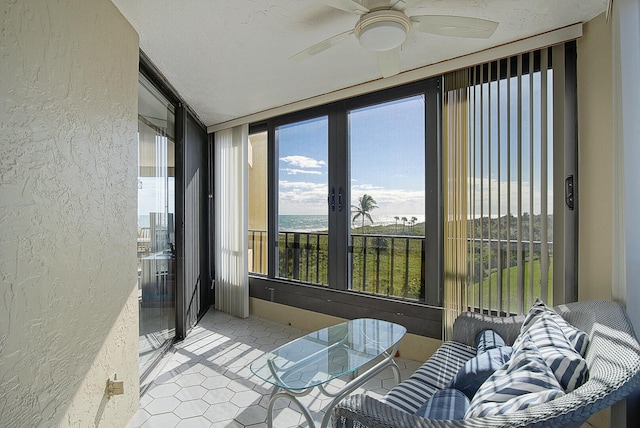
[[303, 223], [316, 223]]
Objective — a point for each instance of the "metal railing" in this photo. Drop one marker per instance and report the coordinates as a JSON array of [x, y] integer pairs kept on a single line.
[[389, 265], [393, 265]]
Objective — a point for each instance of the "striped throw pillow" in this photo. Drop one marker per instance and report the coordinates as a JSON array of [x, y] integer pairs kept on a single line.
[[524, 382], [567, 364], [578, 338]]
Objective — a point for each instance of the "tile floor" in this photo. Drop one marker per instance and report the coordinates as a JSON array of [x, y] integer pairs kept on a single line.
[[205, 381]]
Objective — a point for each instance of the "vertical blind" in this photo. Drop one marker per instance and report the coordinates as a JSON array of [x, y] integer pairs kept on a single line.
[[455, 131], [508, 185], [231, 249]]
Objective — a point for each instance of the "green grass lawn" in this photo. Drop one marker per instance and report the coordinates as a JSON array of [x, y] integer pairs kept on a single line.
[[510, 290]]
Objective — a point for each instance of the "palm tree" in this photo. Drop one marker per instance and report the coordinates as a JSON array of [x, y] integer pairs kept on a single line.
[[413, 222], [365, 204], [404, 221], [396, 229]]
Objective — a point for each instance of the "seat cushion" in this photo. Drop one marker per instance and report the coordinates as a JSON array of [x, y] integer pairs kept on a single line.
[[445, 405], [409, 395], [444, 364], [524, 381], [434, 375]]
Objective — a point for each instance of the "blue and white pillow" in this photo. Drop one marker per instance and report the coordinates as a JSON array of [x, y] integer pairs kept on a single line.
[[523, 382], [445, 405], [478, 369], [488, 339], [567, 364], [578, 338]]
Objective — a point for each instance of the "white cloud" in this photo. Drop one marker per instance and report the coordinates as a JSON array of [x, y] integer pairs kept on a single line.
[[293, 171], [303, 162], [302, 197], [391, 202]]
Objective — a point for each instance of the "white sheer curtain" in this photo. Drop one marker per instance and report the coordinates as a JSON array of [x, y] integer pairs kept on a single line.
[[231, 264]]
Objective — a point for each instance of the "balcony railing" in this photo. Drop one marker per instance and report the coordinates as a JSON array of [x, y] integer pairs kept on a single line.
[[387, 265], [393, 265]]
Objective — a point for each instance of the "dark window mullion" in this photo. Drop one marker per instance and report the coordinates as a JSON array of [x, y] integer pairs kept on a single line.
[[339, 218], [433, 232]]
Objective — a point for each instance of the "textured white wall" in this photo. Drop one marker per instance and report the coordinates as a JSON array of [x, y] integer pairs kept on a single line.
[[595, 164], [68, 301]]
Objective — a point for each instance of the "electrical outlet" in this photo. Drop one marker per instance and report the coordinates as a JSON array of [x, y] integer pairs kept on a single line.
[[115, 387]]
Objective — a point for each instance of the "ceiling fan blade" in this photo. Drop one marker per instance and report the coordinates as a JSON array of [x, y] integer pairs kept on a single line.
[[389, 62], [403, 5], [455, 26], [350, 6], [321, 47]]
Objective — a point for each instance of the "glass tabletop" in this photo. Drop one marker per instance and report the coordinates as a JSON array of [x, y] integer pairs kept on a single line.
[[328, 353]]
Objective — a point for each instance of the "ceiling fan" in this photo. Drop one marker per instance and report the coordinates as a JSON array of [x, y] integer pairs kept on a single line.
[[384, 25]]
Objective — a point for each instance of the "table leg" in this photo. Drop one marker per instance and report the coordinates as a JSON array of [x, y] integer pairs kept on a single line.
[[359, 381], [291, 396], [353, 384]]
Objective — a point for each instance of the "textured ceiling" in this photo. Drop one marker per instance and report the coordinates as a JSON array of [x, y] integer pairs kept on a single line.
[[230, 58]]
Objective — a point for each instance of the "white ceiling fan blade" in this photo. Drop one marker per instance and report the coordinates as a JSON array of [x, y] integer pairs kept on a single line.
[[399, 5], [320, 47], [403, 5], [455, 26], [350, 6], [389, 62]]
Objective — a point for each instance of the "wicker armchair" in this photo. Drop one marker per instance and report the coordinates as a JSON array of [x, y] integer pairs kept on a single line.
[[613, 359]]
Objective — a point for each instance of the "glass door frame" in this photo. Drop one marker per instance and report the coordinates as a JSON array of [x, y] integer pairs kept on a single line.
[[167, 254]]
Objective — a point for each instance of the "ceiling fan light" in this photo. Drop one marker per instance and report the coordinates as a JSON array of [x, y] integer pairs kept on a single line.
[[382, 30], [382, 36]]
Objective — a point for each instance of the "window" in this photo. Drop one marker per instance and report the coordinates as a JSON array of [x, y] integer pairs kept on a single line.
[[510, 181], [349, 202], [444, 190], [499, 151]]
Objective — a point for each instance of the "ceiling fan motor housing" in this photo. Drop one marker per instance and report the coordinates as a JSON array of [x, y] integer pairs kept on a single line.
[[382, 30]]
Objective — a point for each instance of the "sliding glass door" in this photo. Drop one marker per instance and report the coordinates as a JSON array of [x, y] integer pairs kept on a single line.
[[156, 223], [302, 200], [387, 164]]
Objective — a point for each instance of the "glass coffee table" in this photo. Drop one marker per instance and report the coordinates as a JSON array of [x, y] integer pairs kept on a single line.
[[315, 359]]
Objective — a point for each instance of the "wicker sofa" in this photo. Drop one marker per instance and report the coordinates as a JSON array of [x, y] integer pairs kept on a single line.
[[612, 357]]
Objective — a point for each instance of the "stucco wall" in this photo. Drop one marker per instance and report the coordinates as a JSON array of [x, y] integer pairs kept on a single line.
[[68, 301], [595, 161], [595, 169]]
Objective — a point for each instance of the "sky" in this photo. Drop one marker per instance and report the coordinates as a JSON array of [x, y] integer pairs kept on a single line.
[[387, 160]]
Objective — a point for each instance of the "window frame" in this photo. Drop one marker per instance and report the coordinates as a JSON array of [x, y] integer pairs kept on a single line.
[[422, 317]]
